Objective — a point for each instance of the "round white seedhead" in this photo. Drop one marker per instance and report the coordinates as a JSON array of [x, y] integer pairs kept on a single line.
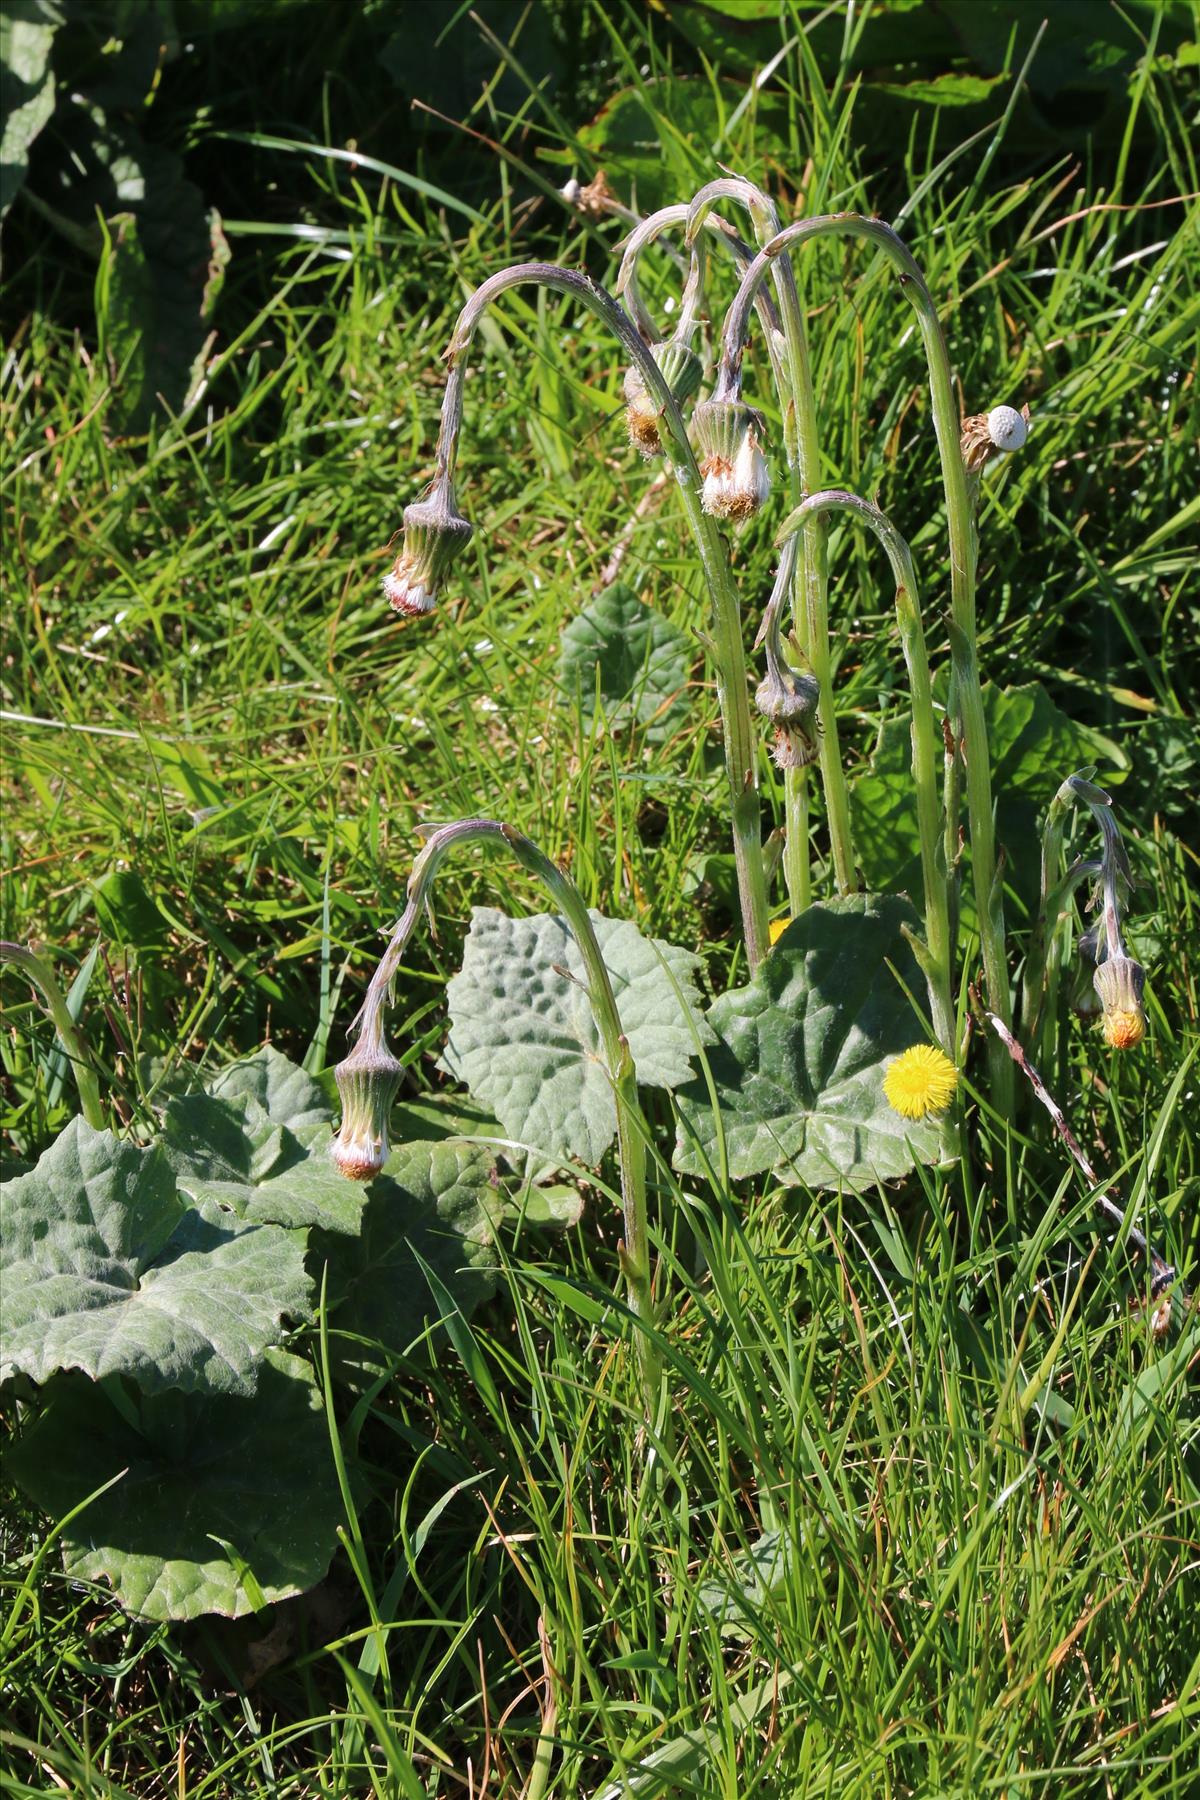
[[1007, 428]]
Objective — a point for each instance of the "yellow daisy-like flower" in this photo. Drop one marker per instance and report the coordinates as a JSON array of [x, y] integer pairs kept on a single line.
[[776, 929], [921, 1080]]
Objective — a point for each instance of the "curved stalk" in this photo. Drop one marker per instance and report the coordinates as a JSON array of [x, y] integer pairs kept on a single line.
[[656, 225], [69, 1035], [632, 1131], [726, 637], [966, 700], [799, 407], [926, 746]]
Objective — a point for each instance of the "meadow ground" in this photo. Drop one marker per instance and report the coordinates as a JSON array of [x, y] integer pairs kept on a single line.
[[976, 1468]]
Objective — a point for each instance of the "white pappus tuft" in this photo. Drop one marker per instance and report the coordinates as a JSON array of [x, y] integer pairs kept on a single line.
[[1007, 428]]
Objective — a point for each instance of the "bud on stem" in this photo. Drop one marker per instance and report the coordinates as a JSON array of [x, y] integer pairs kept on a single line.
[[367, 1082], [736, 477], [434, 534]]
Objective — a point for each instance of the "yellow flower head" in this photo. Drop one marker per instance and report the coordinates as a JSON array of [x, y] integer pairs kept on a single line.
[[776, 929], [921, 1080]]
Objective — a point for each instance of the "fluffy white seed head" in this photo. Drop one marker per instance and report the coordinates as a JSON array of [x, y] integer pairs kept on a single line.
[[1006, 428]]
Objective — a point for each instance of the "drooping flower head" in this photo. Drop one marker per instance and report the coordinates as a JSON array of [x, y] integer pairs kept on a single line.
[[788, 697], [921, 1080], [682, 370], [434, 534], [1120, 983], [736, 477], [367, 1082]]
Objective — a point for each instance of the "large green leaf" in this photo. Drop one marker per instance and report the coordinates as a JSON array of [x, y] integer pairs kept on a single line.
[[27, 29], [800, 1055], [160, 275], [638, 660], [285, 1092], [257, 1141], [524, 1039], [1032, 747], [222, 1503], [654, 138], [230, 1152], [104, 1269], [435, 1199]]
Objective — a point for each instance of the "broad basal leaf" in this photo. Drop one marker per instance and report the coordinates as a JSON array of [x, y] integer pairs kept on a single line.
[[257, 1140], [285, 1092], [1032, 748], [524, 1039], [224, 1502], [104, 1269], [437, 1199], [800, 1056], [639, 660], [27, 29], [737, 1595], [230, 1152]]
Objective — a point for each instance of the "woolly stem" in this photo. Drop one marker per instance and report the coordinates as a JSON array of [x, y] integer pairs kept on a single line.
[[966, 700], [925, 743], [632, 1131], [741, 751]]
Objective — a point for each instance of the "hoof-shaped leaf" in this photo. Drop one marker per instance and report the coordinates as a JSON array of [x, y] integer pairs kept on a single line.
[[105, 1269], [524, 1039], [257, 1141], [801, 1052], [435, 1199], [222, 1503], [638, 660]]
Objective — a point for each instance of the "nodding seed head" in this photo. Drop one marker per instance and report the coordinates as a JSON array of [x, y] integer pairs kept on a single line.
[[1120, 983], [999, 432], [736, 477], [682, 371], [1008, 428], [789, 699], [367, 1082], [434, 534]]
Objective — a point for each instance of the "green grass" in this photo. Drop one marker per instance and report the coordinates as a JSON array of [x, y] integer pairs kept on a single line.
[[946, 1400]]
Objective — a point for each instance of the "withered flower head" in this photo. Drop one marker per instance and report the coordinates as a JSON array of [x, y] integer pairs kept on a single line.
[[997, 433], [737, 480], [682, 371], [434, 534], [367, 1082]]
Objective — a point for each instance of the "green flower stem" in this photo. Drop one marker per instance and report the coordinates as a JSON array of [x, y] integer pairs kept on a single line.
[[1042, 959], [729, 661], [966, 700], [69, 1035], [632, 1131], [1050, 940], [672, 218], [926, 748], [798, 405]]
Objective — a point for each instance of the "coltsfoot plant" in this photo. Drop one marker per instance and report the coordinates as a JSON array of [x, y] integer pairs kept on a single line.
[[184, 1307]]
